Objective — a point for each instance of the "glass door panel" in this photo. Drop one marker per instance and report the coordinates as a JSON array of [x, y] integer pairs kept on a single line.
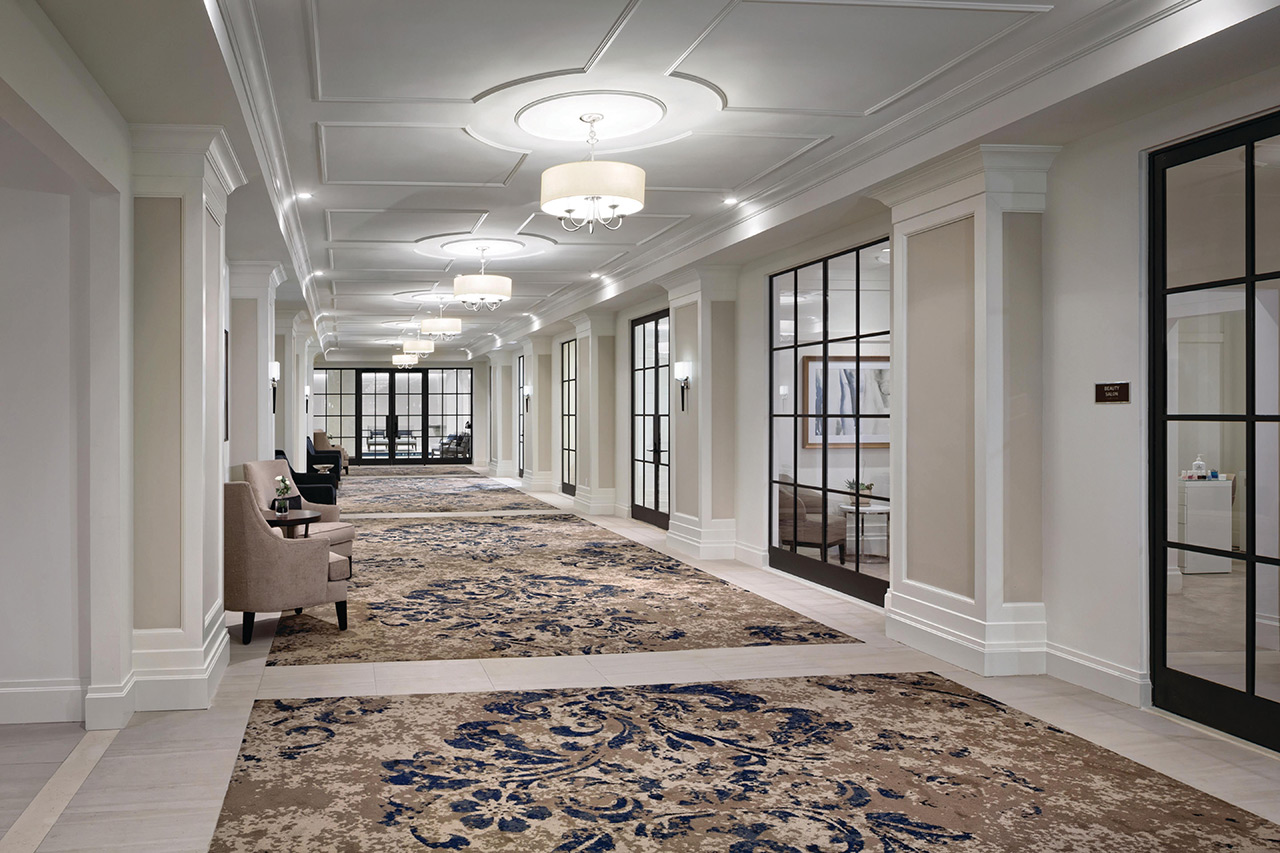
[[376, 430], [521, 402], [1215, 430], [651, 419], [569, 417], [406, 445]]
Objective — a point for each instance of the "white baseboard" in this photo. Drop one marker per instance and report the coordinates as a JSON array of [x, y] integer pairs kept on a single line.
[[1174, 580], [716, 540], [1101, 676], [590, 501], [1013, 644], [42, 700], [109, 706], [503, 468], [1268, 631], [752, 555], [539, 481], [178, 679]]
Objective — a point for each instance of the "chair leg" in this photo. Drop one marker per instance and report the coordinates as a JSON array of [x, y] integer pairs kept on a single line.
[[297, 611], [341, 607], [246, 629], [842, 552]]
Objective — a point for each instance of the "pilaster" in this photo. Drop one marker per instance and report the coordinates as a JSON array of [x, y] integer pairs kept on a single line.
[[596, 336], [179, 640], [536, 398], [253, 322], [502, 417], [992, 621]]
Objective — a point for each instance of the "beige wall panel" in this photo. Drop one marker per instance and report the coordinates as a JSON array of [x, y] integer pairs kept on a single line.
[[1024, 401], [724, 402], [685, 486], [157, 367], [940, 407]]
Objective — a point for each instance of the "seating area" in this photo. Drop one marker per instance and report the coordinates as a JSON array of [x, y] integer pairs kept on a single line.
[[271, 567], [321, 441]]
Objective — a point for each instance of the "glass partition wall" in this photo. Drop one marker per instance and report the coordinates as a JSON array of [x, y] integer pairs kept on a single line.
[[395, 416], [522, 401], [569, 417], [651, 419], [1215, 420], [829, 413]]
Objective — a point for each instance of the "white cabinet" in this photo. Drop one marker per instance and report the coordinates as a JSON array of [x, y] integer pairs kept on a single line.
[[1204, 518]]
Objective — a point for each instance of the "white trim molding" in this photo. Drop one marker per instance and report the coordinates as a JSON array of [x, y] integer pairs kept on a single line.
[[43, 700], [716, 540]]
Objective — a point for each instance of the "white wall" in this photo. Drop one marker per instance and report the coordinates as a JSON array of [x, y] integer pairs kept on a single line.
[[1095, 470], [40, 610]]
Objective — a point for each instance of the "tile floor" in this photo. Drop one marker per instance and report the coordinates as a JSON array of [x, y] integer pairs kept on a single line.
[[158, 784]]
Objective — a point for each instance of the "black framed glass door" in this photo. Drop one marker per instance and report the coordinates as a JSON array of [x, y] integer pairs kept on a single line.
[[829, 416], [569, 417], [410, 416], [522, 403], [1215, 429], [651, 419]]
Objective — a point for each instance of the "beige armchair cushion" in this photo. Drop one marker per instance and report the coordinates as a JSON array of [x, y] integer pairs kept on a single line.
[[320, 439]]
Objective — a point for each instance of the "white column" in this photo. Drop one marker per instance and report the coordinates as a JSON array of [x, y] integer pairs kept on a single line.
[[596, 492], [179, 639], [502, 417], [539, 474], [253, 322], [983, 611], [703, 428]]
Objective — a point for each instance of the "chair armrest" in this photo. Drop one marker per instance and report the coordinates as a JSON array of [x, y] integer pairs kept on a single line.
[[315, 478]]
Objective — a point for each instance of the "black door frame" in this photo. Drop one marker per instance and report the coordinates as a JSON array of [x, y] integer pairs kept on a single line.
[[1241, 713], [640, 512], [391, 425], [568, 420]]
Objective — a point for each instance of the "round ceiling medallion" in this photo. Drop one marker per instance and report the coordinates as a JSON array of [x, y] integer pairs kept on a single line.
[[559, 117], [419, 297], [472, 246]]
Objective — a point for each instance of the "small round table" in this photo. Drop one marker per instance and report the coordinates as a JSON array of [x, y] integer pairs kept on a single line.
[[292, 520], [863, 511]]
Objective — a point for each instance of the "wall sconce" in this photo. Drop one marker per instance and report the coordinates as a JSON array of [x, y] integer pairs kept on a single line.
[[784, 391], [306, 403], [273, 373], [528, 392], [681, 371]]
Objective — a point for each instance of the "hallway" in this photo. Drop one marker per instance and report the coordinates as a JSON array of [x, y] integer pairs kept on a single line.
[[160, 783]]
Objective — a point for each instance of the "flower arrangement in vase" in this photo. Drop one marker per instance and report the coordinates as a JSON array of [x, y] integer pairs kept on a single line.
[[281, 503], [863, 490]]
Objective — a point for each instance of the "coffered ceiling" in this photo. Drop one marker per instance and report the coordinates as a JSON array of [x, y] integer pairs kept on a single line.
[[417, 123]]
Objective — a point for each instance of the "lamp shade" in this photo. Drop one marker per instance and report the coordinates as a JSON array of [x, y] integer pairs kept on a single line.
[[681, 371], [446, 325], [482, 288], [273, 371], [404, 359], [580, 188], [419, 347]]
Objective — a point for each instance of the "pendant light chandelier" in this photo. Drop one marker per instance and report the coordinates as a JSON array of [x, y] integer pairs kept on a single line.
[[591, 191], [441, 328], [419, 347], [476, 290], [403, 360]]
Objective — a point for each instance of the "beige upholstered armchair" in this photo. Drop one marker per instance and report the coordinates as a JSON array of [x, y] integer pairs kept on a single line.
[[320, 439], [261, 477], [802, 523], [266, 572]]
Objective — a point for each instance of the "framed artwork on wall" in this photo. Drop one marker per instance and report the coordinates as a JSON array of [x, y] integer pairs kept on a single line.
[[832, 392]]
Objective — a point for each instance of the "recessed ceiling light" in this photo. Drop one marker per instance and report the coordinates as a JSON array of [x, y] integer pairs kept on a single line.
[[304, 196], [730, 200], [318, 273], [595, 275]]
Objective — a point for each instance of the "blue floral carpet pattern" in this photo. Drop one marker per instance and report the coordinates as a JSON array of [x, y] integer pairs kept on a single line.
[[908, 763], [432, 494], [465, 588]]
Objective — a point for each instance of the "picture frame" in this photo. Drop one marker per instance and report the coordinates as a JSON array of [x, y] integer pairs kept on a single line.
[[867, 377]]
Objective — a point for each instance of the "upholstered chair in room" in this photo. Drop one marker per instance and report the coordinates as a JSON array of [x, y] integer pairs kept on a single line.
[[318, 487], [802, 523], [265, 572], [321, 440], [331, 458], [261, 477]]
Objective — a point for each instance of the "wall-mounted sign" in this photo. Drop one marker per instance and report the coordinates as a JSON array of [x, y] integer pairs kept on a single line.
[[1111, 392]]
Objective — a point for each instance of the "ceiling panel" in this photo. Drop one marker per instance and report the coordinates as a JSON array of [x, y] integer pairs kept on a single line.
[[762, 53], [452, 50], [398, 226], [391, 259], [715, 162], [412, 154]]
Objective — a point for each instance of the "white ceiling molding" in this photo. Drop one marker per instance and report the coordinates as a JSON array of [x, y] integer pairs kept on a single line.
[[539, 21], [415, 223], [446, 139]]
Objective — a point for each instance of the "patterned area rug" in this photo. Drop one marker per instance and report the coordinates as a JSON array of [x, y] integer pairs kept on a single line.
[[411, 471], [433, 589], [432, 494], [886, 763]]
